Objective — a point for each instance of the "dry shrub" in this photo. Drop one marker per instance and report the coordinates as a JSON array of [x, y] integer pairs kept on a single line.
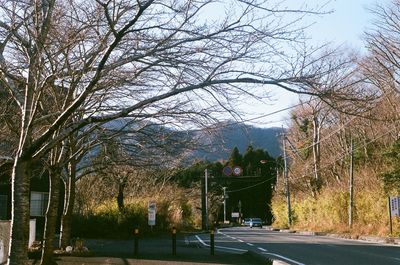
[[329, 213]]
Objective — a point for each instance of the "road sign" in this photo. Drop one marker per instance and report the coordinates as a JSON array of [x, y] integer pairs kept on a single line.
[[395, 206], [235, 215], [152, 209], [227, 171], [237, 170]]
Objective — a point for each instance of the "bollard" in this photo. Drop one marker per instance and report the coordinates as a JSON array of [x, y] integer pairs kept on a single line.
[[173, 241], [136, 244], [212, 243]]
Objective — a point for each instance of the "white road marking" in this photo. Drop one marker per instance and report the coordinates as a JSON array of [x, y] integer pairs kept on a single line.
[[262, 249], [240, 240], [220, 247], [284, 258], [249, 244]]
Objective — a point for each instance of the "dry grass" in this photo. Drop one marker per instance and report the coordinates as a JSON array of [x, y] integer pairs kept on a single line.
[[329, 213]]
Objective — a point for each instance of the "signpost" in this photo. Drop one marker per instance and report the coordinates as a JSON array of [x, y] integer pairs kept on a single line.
[[152, 214], [394, 210], [395, 206]]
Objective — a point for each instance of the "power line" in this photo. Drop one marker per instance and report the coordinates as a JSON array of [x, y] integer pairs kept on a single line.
[[252, 186], [345, 154], [242, 121], [332, 133]]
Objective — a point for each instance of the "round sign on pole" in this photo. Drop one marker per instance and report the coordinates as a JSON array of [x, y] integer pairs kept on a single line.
[[237, 170], [227, 171]]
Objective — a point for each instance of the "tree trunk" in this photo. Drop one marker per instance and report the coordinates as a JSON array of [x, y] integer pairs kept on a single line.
[[120, 197], [51, 218], [316, 153], [69, 201], [18, 251]]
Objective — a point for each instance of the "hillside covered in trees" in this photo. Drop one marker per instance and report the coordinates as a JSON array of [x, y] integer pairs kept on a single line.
[[218, 146], [249, 193]]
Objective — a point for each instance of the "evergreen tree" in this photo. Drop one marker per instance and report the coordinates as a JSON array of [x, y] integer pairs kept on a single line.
[[235, 158], [249, 161]]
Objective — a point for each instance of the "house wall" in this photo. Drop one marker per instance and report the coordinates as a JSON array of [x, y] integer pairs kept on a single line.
[[5, 227], [5, 190], [5, 239]]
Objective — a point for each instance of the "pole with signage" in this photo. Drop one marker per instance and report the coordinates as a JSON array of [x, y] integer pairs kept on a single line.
[[152, 209], [394, 210]]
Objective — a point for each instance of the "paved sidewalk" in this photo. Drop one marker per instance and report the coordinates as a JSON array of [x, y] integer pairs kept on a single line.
[[156, 251]]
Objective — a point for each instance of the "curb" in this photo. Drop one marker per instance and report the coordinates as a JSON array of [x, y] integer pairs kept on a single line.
[[376, 239]]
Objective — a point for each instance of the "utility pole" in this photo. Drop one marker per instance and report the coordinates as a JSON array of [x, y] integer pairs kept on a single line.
[[351, 182], [206, 196], [286, 179], [224, 189]]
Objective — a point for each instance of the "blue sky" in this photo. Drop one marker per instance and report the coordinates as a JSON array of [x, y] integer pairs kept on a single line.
[[344, 26], [347, 22]]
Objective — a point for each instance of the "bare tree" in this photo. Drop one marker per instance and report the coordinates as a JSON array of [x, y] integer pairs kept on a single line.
[[112, 59], [381, 66]]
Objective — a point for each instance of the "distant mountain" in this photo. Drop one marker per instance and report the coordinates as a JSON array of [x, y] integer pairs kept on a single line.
[[220, 145], [144, 141]]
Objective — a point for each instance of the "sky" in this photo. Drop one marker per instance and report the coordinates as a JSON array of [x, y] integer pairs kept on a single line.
[[344, 26]]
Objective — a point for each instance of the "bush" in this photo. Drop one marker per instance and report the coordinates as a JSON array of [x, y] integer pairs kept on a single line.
[[109, 222], [106, 221]]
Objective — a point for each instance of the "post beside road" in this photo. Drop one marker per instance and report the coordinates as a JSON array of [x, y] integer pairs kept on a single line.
[[212, 242], [136, 242], [173, 241]]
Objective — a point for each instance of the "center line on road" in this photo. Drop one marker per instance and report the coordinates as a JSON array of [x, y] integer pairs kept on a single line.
[[249, 244], [240, 240], [262, 249], [284, 258]]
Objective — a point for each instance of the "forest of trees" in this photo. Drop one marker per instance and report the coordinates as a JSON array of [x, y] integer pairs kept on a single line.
[[344, 154], [253, 188]]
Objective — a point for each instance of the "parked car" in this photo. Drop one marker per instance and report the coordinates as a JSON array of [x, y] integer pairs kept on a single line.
[[255, 222]]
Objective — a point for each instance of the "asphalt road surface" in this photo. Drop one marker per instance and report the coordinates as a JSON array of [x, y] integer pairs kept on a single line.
[[303, 249]]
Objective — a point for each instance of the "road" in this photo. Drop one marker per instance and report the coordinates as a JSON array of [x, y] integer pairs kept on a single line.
[[303, 249]]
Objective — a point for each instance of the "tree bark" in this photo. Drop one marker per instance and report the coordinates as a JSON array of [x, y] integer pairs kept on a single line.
[[18, 251], [69, 201], [51, 218]]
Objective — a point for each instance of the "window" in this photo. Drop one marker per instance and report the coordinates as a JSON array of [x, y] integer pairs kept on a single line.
[[39, 202], [3, 207]]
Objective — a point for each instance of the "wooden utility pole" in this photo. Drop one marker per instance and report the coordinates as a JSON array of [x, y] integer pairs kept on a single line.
[[286, 180], [206, 197], [224, 189], [351, 182]]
